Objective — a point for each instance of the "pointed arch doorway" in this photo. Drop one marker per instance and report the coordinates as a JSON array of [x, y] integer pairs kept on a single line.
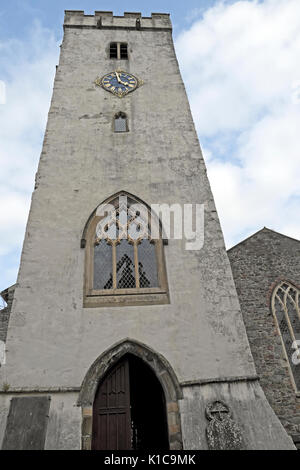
[[129, 410]]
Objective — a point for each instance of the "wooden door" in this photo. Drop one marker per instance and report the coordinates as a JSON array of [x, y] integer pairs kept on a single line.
[[111, 412]]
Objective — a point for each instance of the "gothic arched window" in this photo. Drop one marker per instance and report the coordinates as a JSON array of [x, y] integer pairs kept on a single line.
[[286, 311], [120, 122], [124, 262]]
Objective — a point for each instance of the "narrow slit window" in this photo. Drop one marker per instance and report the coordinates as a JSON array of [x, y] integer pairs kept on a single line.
[[113, 50], [120, 123], [123, 51]]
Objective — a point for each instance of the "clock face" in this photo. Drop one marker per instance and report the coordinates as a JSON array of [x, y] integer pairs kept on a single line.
[[119, 83]]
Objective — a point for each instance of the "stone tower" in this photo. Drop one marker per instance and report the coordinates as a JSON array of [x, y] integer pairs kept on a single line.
[[153, 322]]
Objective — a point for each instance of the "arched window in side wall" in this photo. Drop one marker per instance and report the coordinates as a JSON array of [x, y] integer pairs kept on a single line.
[[120, 122], [124, 262], [286, 311]]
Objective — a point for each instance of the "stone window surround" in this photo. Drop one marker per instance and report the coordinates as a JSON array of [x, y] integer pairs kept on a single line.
[[159, 365], [271, 297], [119, 44], [121, 297]]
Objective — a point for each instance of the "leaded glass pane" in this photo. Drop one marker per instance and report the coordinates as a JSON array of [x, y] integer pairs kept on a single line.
[[280, 294], [125, 266], [123, 51], [120, 124], [147, 264], [113, 50], [293, 294], [293, 316], [102, 266]]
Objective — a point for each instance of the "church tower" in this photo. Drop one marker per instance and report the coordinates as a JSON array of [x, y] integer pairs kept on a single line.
[[117, 338]]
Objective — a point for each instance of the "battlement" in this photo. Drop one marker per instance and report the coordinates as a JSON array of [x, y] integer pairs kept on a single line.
[[107, 20]]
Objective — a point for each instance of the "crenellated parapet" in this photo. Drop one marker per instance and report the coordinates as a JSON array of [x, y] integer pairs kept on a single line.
[[106, 19]]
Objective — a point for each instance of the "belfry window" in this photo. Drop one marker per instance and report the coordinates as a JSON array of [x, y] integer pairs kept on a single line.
[[286, 310], [123, 51], [124, 262], [118, 50], [113, 52], [120, 123]]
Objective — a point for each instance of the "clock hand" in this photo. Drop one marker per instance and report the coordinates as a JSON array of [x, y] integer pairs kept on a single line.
[[120, 81], [118, 78]]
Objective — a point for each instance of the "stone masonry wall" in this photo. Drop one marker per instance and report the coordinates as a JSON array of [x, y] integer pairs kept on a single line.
[[8, 296], [258, 264]]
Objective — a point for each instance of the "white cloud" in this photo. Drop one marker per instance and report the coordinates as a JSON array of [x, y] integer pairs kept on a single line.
[[241, 68], [27, 68]]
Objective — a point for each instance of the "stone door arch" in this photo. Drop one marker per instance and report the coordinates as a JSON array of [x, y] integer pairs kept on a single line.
[[159, 365]]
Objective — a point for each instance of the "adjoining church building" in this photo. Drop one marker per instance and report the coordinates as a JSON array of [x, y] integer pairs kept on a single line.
[[266, 271], [114, 341]]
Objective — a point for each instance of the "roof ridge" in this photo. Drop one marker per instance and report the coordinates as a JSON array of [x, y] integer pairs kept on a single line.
[[261, 230]]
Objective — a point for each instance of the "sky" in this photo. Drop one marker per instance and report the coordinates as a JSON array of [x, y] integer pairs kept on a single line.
[[240, 63]]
